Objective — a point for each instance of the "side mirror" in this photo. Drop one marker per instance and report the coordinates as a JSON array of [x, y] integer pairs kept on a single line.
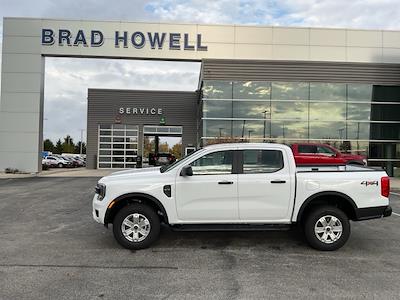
[[187, 171]]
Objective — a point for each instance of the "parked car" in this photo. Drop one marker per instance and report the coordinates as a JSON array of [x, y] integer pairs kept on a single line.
[[322, 154], [160, 159], [55, 161], [241, 187]]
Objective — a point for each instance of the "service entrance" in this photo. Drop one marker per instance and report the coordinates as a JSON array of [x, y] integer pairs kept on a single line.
[[161, 144]]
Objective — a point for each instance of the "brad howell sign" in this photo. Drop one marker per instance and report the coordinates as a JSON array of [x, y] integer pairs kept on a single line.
[[137, 39], [140, 111]]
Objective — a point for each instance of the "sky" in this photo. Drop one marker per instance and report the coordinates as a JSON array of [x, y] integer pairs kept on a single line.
[[67, 80]]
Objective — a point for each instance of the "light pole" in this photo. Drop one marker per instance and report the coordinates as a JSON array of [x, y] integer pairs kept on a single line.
[[250, 131], [265, 124], [80, 150], [220, 131]]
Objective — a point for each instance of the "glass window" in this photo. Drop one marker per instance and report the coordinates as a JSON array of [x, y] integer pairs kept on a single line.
[[105, 132], [104, 165], [320, 111], [383, 93], [307, 148], [105, 146], [104, 158], [251, 129], [289, 91], [118, 133], [358, 111], [213, 163], [251, 109], [381, 131], [328, 91], [327, 130], [359, 92], [251, 90], [213, 89], [108, 126], [105, 139], [118, 126], [358, 130], [325, 151], [217, 128], [385, 112], [289, 129], [290, 110], [132, 133], [262, 161], [118, 139], [217, 109]]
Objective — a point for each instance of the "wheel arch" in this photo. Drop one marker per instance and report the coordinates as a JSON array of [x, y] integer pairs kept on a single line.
[[338, 199], [130, 198]]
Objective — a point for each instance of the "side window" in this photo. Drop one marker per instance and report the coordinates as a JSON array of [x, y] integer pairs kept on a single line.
[[325, 150], [262, 161], [307, 149], [215, 163]]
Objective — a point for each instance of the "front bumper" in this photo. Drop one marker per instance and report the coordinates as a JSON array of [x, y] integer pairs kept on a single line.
[[99, 209], [373, 212]]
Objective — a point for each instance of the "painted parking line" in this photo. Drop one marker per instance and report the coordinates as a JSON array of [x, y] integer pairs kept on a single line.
[[396, 214], [393, 193]]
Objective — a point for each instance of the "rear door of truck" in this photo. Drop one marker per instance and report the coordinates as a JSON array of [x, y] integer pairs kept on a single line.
[[265, 186]]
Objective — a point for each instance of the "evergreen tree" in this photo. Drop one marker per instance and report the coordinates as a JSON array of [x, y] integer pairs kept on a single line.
[[48, 145], [59, 148], [68, 145], [78, 148]]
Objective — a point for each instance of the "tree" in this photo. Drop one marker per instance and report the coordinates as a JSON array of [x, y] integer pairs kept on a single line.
[[78, 148], [68, 145], [48, 145], [59, 148], [177, 150]]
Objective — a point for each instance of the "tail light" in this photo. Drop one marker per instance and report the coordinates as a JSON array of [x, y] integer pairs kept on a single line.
[[385, 186]]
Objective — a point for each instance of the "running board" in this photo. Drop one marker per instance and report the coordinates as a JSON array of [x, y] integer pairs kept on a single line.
[[231, 227]]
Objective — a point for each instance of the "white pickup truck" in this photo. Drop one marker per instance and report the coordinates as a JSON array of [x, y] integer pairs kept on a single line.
[[240, 187]]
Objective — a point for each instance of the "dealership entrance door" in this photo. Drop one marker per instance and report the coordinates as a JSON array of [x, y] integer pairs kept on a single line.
[[160, 141]]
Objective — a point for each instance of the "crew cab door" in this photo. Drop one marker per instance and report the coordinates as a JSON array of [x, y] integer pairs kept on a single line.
[[264, 187], [210, 194]]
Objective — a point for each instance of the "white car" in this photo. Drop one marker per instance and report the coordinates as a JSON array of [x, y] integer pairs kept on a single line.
[[240, 187], [54, 161]]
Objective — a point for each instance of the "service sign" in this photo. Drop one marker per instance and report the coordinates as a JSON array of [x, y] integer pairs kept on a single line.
[[123, 39]]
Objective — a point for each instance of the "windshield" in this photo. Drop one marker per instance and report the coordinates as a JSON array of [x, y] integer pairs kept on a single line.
[[178, 162]]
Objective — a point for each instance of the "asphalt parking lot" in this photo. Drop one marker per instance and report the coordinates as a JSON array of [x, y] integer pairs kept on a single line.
[[50, 248]]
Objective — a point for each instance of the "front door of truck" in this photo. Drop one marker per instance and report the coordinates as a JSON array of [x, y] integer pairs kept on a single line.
[[210, 194], [264, 187]]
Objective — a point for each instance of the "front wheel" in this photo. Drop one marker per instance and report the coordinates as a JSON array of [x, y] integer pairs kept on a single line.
[[136, 226], [327, 228], [60, 165]]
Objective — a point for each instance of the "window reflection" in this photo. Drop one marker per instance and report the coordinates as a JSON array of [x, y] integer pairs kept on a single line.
[[252, 109], [251, 90], [213, 89], [290, 110], [359, 92], [327, 130], [251, 129], [328, 91], [358, 131], [288, 129], [358, 111], [217, 128], [289, 91], [217, 109], [327, 111]]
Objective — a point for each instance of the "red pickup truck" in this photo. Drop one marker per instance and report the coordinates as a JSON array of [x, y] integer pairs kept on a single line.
[[322, 154]]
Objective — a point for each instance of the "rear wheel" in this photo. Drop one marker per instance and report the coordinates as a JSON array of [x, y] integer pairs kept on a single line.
[[60, 165], [327, 228], [136, 226]]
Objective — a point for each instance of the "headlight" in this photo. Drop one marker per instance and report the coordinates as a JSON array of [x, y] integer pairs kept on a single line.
[[100, 191]]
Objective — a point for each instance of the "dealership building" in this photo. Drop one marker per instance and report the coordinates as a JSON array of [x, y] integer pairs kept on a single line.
[[257, 83]]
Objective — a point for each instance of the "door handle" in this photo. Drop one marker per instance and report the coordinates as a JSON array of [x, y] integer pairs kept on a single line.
[[225, 182], [278, 181]]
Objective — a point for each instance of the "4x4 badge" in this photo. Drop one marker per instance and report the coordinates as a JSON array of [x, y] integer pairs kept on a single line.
[[367, 183]]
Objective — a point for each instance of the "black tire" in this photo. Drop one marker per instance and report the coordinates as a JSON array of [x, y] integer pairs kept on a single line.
[[311, 236], [144, 210], [60, 165]]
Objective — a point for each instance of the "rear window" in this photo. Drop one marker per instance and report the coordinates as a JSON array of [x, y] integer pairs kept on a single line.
[[307, 149], [262, 161]]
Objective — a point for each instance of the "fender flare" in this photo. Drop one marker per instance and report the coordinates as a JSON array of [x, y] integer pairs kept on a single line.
[[136, 197], [343, 196]]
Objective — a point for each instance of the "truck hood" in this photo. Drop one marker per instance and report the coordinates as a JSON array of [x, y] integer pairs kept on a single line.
[[130, 174]]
